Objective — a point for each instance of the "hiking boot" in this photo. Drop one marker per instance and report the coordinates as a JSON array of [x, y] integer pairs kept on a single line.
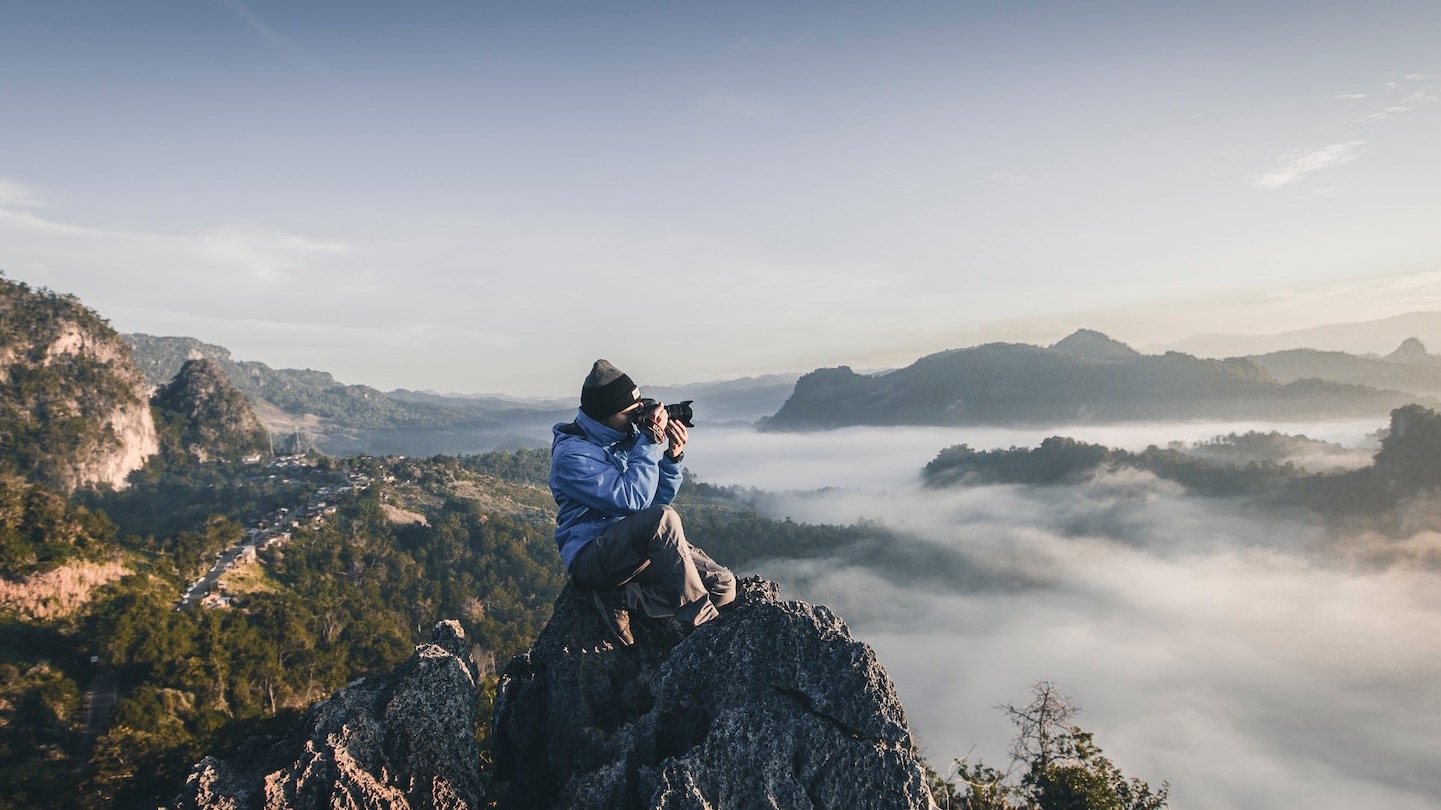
[[611, 604]]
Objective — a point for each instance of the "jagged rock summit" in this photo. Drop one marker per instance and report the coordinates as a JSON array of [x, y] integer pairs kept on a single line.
[[772, 705], [397, 741]]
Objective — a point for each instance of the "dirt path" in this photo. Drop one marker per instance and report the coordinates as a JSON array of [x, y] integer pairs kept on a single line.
[[102, 696]]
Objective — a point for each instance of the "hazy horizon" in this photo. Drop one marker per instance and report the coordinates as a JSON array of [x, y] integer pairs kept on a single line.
[[483, 198]]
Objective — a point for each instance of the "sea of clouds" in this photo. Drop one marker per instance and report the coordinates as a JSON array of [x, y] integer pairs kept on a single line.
[[1254, 660]]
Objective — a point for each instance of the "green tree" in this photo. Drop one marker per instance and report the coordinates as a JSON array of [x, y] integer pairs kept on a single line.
[[1060, 764]]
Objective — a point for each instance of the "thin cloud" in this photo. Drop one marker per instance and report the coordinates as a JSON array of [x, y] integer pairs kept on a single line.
[[1383, 114], [257, 252], [301, 58], [1397, 98], [264, 31], [265, 255], [1295, 166], [214, 273], [14, 195]]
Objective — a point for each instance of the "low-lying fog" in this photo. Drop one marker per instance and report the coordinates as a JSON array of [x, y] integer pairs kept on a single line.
[[1250, 659]]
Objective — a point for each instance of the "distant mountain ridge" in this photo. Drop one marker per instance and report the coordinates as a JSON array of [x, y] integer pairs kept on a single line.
[[1409, 368], [295, 391], [1362, 337], [308, 408], [311, 408], [1085, 378]]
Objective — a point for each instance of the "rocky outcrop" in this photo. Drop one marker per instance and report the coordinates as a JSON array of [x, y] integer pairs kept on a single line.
[[73, 407], [1089, 344], [1411, 350], [398, 741], [772, 705], [207, 417]]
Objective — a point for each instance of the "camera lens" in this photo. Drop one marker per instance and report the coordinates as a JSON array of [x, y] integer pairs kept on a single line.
[[681, 412]]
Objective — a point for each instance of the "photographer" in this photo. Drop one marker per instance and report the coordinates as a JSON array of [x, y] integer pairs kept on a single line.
[[614, 472]]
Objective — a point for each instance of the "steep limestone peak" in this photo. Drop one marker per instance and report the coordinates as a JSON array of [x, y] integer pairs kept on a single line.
[[1092, 345], [1411, 350], [771, 705], [73, 407], [208, 416]]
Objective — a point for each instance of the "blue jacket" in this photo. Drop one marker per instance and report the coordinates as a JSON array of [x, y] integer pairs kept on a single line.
[[599, 475]]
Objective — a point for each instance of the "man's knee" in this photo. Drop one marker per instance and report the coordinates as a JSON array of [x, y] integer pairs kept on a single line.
[[668, 528], [722, 587]]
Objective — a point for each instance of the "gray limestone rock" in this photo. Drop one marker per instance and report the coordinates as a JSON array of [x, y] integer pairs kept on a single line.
[[772, 705], [401, 740]]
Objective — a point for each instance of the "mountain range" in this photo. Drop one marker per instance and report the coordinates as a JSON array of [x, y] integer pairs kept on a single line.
[[1087, 377], [1362, 337], [309, 408]]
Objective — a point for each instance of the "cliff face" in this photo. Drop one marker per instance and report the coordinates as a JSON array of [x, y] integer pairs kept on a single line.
[[73, 408], [772, 705], [398, 741]]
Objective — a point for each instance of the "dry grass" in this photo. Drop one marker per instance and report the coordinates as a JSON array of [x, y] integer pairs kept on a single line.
[[250, 578], [521, 500], [396, 515], [58, 594]]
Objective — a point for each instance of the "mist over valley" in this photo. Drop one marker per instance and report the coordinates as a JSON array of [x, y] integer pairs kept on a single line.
[[1255, 658]]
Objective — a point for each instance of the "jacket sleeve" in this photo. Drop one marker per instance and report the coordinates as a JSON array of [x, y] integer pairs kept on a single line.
[[670, 481], [606, 483]]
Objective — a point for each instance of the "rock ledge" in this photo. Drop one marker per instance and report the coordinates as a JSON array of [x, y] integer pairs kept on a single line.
[[772, 705]]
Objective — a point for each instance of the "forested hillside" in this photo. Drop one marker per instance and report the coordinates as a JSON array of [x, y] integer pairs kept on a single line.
[[449, 537], [201, 416], [344, 596], [210, 599], [1407, 466]]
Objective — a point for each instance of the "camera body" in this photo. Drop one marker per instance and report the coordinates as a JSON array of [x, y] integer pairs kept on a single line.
[[680, 412]]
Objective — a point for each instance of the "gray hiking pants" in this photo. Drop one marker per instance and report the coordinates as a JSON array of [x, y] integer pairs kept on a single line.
[[647, 555]]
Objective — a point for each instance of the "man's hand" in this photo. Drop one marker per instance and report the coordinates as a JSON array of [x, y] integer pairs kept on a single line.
[[655, 424], [676, 432]]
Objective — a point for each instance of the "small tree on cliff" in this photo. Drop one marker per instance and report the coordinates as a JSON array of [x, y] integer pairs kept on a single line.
[[1063, 768]]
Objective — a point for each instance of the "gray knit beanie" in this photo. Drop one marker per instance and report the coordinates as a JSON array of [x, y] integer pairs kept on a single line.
[[607, 390]]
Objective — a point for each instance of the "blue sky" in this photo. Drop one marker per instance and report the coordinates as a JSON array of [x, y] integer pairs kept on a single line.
[[484, 197]]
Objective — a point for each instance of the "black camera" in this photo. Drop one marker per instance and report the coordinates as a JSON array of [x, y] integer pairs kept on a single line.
[[679, 412]]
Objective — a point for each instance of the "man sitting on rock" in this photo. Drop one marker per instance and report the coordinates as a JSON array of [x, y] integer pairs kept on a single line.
[[614, 472]]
